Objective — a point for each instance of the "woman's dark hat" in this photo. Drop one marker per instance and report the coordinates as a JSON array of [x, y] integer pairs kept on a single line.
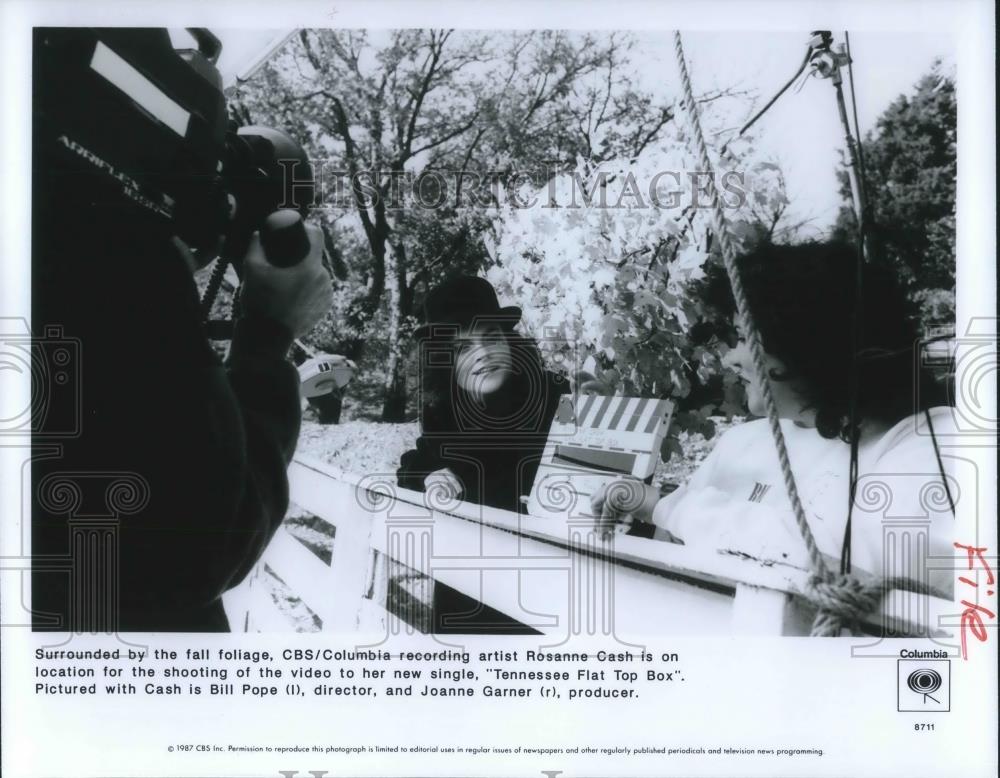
[[458, 303]]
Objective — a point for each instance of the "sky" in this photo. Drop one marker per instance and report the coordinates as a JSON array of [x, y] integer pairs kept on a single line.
[[802, 131]]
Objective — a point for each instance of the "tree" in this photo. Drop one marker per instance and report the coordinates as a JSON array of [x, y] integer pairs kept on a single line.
[[450, 114], [910, 169], [612, 264]]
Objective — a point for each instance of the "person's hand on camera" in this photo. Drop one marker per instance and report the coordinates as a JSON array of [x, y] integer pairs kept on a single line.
[[444, 483], [297, 296], [618, 504]]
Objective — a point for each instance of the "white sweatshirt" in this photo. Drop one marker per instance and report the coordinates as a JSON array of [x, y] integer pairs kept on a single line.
[[736, 501]]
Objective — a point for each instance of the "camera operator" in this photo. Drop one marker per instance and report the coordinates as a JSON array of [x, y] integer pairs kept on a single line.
[[210, 442]]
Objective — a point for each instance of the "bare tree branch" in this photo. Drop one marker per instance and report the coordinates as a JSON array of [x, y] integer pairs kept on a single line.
[[448, 136], [418, 99]]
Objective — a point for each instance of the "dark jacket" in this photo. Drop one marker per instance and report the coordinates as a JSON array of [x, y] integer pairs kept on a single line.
[[494, 452], [167, 476]]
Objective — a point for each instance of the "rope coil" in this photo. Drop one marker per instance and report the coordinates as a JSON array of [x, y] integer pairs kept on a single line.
[[841, 599]]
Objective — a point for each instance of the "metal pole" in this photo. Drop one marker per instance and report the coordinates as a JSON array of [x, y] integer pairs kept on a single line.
[[854, 168]]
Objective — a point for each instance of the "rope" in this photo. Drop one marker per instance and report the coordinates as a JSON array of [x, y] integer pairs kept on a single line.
[[841, 599]]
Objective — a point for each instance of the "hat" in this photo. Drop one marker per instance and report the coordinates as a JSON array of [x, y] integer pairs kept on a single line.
[[459, 302]]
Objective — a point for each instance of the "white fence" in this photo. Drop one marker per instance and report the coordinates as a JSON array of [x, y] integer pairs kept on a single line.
[[558, 577]]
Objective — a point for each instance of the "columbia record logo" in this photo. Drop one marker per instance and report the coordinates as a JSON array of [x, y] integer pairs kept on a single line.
[[924, 685]]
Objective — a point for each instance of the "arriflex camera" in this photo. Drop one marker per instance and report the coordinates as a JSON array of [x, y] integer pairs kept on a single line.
[[132, 131], [138, 131]]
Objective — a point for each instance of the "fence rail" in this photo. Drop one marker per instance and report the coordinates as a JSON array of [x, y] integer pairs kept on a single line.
[[559, 577]]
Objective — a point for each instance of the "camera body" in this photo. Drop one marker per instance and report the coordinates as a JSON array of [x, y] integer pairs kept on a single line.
[[136, 131]]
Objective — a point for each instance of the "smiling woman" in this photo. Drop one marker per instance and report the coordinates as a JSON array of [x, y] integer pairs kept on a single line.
[[482, 359], [486, 407], [487, 401]]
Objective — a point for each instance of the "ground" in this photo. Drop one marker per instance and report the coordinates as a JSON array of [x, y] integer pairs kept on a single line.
[[373, 447], [358, 446]]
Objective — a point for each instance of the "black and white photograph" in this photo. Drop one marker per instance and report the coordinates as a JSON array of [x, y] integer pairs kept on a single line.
[[588, 366]]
